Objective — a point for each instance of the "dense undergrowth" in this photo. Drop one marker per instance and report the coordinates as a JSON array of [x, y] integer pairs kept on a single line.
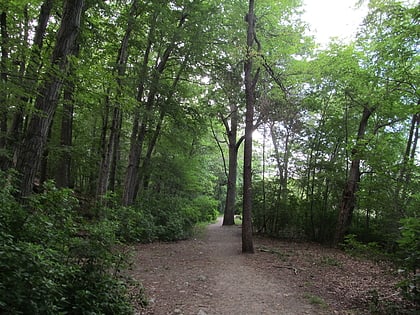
[[57, 257]]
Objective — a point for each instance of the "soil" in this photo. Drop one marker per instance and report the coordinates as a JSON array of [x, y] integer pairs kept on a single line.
[[208, 275]]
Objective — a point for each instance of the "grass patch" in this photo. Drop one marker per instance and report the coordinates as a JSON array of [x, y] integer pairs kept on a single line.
[[330, 261], [199, 229], [316, 300]]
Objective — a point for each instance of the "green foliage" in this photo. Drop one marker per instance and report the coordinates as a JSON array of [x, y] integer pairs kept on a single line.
[[133, 224], [207, 207], [157, 216], [174, 217], [316, 300], [409, 246], [52, 262], [371, 250]]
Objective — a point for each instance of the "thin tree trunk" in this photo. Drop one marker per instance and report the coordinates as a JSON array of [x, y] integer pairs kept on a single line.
[[250, 82], [416, 122], [62, 174], [29, 77], [116, 157], [348, 200], [232, 131], [404, 175], [135, 150], [229, 213], [131, 183], [30, 153], [145, 167], [3, 93], [106, 163], [231, 82], [145, 171]]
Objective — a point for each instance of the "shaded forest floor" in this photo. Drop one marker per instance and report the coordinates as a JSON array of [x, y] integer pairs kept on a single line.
[[209, 275]]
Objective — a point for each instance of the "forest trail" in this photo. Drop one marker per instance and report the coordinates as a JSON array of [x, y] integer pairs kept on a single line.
[[210, 275]]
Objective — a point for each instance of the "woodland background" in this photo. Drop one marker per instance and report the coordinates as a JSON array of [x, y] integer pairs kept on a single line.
[[123, 121]]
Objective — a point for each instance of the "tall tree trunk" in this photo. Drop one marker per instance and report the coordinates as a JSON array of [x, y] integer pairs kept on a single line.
[[29, 77], [232, 131], [404, 176], [128, 190], [116, 157], [145, 167], [145, 171], [121, 65], [30, 152], [62, 173], [416, 123], [348, 199], [229, 213], [132, 177], [3, 89], [250, 82]]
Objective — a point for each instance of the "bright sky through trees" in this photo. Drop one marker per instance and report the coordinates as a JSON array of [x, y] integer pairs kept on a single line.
[[332, 18]]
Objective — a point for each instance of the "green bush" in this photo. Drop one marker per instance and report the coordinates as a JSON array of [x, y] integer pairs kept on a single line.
[[207, 208], [371, 250], [409, 245], [54, 262], [169, 217]]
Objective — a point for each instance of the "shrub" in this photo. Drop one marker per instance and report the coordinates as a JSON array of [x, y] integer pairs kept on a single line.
[[409, 245], [134, 225], [370, 250], [207, 208], [54, 262]]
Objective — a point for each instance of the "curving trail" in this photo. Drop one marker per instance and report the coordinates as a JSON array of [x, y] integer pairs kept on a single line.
[[210, 276]]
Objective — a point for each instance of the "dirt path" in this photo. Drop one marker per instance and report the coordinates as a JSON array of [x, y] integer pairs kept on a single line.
[[209, 275]]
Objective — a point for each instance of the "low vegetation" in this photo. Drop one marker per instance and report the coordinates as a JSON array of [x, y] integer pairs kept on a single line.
[[59, 261]]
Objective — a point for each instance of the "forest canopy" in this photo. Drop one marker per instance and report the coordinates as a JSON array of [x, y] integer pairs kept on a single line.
[[125, 121]]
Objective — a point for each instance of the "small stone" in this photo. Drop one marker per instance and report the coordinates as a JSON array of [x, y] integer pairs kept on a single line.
[[202, 278], [201, 312], [177, 311]]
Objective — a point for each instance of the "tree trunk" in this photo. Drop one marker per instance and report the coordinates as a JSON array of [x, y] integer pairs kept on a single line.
[[404, 176], [121, 64], [30, 152], [145, 171], [348, 200], [232, 131], [129, 191], [29, 78], [132, 177], [3, 93], [229, 213], [62, 175], [250, 82], [116, 157]]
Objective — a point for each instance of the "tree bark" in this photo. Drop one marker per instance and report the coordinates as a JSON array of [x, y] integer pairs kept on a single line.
[[3, 94], [348, 199], [29, 78], [30, 152], [229, 213], [232, 131], [62, 174], [250, 82], [132, 177], [121, 65]]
